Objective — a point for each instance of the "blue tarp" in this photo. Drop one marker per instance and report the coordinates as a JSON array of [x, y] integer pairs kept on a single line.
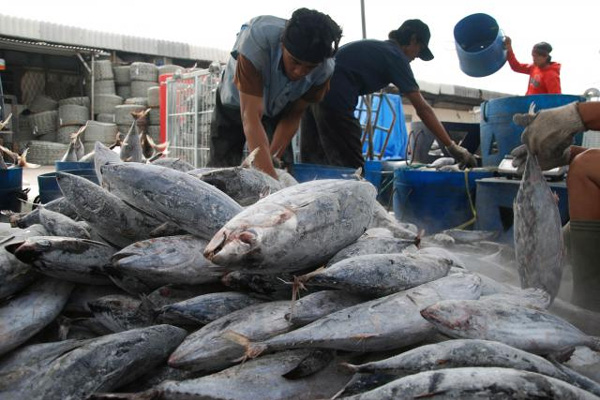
[[396, 147]]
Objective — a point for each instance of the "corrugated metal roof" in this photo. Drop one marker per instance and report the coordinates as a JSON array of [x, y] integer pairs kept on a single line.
[[48, 32]]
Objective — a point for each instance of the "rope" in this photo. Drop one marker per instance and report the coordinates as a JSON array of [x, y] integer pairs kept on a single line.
[[473, 210]]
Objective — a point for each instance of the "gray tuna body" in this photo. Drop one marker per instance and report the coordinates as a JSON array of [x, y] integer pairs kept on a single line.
[[24, 220], [131, 149], [74, 260], [263, 378], [530, 297], [371, 245], [165, 260], [521, 327], [319, 304], [103, 156], [538, 238], [171, 196], [207, 349], [244, 185], [174, 163], [111, 218], [14, 274], [106, 363], [298, 227], [379, 275], [383, 324], [31, 310], [202, 310], [58, 224], [476, 383], [383, 219]]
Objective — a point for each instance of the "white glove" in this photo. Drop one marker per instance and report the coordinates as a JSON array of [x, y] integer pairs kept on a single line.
[[548, 134], [462, 155]]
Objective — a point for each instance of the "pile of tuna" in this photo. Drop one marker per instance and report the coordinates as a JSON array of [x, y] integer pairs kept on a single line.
[[166, 282]]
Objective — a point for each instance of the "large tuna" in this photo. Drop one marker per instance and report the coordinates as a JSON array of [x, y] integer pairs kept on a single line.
[[171, 196], [538, 233], [296, 228]]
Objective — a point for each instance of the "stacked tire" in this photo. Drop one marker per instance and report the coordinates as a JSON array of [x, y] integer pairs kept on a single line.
[[103, 132], [143, 76], [44, 118], [105, 95], [72, 115], [123, 80], [45, 152], [154, 114]]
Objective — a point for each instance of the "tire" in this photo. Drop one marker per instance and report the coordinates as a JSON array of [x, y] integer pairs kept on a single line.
[[154, 116], [106, 103], [140, 101], [64, 133], [45, 152], [154, 96], [42, 103], [140, 88], [71, 114], [110, 118], [123, 113], [122, 75], [100, 132], [44, 122], [80, 101], [103, 70], [104, 87], [124, 91], [141, 71]]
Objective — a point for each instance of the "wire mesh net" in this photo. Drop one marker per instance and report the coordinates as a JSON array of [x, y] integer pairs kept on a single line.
[[190, 104]]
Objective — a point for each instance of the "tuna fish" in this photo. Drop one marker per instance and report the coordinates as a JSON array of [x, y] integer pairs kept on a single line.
[[75, 260], [298, 227], [14, 274], [371, 245], [105, 363], [120, 313], [171, 196], [476, 383], [538, 232], [58, 224], [521, 327], [471, 353], [31, 310], [319, 304], [202, 310], [379, 275], [111, 218], [387, 323], [171, 259], [174, 163], [103, 156]]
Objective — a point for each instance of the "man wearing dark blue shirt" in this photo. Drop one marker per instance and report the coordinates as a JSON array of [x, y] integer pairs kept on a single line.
[[330, 133]]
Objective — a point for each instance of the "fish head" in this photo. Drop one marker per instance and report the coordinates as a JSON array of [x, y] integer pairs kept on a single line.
[[30, 251], [447, 316], [237, 247]]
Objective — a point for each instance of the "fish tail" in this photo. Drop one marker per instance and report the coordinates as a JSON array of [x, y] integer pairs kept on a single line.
[[349, 367], [253, 350]]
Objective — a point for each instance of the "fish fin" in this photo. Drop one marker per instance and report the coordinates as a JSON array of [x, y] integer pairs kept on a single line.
[[562, 355], [595, 343], [7, 239], [253, 350], [150, 394], [364, 336], [314, 362], [266, 191], [555, 197], [349, 367], [249, 161]]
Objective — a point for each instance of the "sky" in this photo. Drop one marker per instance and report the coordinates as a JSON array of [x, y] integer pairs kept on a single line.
[[571, 27]]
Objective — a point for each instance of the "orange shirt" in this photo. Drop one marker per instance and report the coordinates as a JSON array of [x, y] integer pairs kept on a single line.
[[541, 80]]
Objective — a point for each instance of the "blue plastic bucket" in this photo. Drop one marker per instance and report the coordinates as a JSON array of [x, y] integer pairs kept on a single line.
[[435, 200], [48, 186], [309, 172], [500, 135], [11, 183], [71, 165], [479, 45]]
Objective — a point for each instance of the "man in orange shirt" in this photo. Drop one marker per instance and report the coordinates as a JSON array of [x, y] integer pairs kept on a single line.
[[544, 74]]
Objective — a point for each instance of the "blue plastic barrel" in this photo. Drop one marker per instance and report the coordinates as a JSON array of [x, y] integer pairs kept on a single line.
[[479, 45], [500, 135], [71, 165], [435, 200], [48, 186], [11, 183], [304, 172]]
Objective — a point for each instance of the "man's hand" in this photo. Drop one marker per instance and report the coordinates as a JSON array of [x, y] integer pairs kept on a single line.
[[462, 155], [548, 134]]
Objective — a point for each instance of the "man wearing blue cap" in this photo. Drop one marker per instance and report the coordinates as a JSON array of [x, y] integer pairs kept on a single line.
[[330, 132]]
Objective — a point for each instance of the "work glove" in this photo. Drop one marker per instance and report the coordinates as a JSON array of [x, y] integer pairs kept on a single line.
[[462, 156], [548, 134]]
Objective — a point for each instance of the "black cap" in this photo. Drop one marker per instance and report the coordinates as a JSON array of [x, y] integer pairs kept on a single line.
[[421, 30]]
